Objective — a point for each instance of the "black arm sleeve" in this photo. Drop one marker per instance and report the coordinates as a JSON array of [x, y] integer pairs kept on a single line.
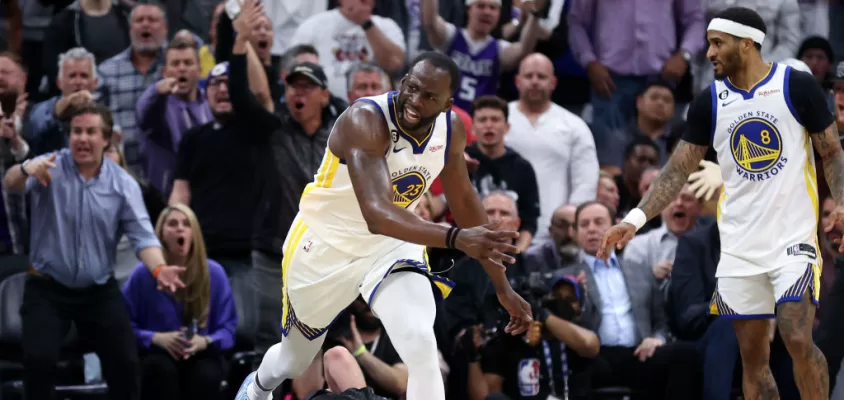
[[699, 119], [246, 107], [276, 90], [184, 157], [225, 38], [809, 101]]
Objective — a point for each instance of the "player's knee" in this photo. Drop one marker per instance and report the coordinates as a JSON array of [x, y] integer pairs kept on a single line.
[[420, 345], [754, 354], [798, 342], [337, 359]]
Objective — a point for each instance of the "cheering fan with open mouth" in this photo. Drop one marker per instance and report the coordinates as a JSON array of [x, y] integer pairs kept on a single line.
[[187, 330]]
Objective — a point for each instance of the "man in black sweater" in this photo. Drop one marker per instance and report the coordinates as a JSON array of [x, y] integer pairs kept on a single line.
[[501, 168], [290, 158]]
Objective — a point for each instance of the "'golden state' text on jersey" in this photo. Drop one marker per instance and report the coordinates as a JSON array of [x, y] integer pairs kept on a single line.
[[767, 212], [329, 206]]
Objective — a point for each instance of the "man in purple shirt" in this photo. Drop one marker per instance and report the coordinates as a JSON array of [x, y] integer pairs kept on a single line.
[[479, 56], [167, 110], [623, 44]]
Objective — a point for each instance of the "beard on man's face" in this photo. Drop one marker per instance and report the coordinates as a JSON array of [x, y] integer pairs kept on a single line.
[[729, 65], [423, 121]]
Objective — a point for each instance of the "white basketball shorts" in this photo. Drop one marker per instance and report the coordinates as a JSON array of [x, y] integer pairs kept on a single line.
[[756, 296], [319, 281]]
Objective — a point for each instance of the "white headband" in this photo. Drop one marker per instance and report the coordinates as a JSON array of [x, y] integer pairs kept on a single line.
[[736, 29]]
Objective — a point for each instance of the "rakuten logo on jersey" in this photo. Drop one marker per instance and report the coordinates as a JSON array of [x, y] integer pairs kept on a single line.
[[768, 92]]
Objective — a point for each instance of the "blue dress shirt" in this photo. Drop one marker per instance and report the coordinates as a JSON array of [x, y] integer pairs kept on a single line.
[[76, 224], [618, 325]]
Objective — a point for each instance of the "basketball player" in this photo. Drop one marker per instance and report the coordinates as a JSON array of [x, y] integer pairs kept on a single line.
[[480, 57], [356, 233], [760, 118]]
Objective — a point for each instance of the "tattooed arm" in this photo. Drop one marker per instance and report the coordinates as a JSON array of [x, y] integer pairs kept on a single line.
[[828, 146], [671, 179], [685, 160]]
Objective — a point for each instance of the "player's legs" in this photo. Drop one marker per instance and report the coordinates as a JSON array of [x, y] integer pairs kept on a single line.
[[749, 302], [757, 381], [405, 304], [285, 360], [795, 316]]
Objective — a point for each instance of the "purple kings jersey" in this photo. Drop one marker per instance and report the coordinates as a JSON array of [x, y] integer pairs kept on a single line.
[[478, 71]]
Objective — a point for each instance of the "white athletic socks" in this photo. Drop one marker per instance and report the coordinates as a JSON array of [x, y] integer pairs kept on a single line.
[[253, 393]]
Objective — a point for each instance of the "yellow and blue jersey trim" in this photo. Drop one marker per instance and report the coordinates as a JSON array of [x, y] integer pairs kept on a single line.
[[748, 94], [418, 146]]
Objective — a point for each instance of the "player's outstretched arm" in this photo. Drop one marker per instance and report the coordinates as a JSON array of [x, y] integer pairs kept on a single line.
[[361, 137], [672, 178], [468, 211], [663, 191], [463, 200]]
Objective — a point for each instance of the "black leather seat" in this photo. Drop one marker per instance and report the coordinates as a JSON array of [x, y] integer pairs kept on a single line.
[[11, 327]]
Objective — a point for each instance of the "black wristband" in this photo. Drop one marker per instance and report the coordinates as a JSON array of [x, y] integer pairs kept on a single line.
[[448, 237], [451, 237], [366, 25], [23, 170]]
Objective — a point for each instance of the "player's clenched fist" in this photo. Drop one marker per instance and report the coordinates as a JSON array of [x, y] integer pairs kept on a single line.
[[486, 243], [617, 237]]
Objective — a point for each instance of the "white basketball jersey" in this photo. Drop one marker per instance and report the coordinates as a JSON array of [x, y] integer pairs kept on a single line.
[[767, 213], [329, 206]]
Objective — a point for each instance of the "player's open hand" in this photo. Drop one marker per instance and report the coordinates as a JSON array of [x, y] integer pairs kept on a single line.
[[617, 237], [521, 315], [836, 222], [487, 243]]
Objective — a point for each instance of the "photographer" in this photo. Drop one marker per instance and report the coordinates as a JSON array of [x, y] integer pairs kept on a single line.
[[361, 334], [549, 362]]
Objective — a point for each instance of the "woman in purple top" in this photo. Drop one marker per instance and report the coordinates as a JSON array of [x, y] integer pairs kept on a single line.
[[182, 335]]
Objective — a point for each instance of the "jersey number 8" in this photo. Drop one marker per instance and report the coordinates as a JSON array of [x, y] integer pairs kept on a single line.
[[765, 137]]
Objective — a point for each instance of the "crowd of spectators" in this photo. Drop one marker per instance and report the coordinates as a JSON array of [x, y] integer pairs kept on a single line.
[[142, 141]]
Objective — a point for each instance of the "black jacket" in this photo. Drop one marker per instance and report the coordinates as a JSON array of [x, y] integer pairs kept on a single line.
[[66, 31], [512, 173], [693, 282]]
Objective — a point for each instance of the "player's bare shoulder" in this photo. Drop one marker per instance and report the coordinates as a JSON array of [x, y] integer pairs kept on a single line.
[[361, 126]]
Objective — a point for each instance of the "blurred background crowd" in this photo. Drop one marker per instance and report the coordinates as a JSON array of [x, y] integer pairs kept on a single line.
[[221, 117]]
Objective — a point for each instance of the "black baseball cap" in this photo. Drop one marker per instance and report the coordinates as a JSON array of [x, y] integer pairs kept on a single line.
[[558, 277], [309, 70]]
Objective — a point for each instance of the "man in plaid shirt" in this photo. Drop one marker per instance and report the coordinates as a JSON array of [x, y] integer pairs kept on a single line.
[[13, 218], [126, 76]]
